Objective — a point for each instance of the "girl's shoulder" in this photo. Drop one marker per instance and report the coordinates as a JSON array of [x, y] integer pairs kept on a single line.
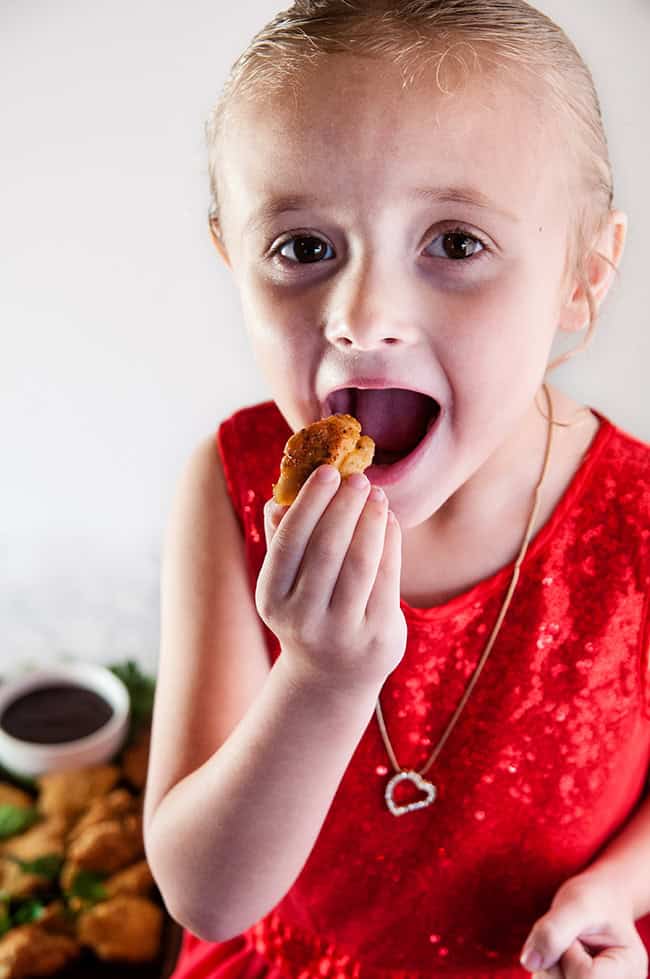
[[624, 464], [620, 491]]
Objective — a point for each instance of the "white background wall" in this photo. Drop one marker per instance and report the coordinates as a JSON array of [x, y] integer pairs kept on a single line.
[[121, 336]]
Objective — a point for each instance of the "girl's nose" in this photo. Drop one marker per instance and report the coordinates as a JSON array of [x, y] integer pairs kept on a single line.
[[369, 308]]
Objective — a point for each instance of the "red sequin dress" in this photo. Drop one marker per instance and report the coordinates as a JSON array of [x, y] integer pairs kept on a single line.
[[545, 765]]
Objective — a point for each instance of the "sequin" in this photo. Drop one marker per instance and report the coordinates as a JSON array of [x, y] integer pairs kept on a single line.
[[529, 781]]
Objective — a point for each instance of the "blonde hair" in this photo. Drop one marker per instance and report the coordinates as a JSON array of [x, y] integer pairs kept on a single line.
[[510, 35]]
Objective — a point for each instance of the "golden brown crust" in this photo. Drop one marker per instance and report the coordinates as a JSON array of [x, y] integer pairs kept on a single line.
[[125, 927], [28, 950], [335, 440], [69, 792]]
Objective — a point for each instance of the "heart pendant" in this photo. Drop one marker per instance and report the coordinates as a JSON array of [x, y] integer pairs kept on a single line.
[[419, 782]]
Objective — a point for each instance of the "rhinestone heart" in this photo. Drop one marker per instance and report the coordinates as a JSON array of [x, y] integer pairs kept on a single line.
[[419, 782]]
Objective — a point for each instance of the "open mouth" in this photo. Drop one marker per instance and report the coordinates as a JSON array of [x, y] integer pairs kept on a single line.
[[396, 419]]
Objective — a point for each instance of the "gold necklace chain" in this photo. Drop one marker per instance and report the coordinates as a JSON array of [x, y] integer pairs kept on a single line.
[[416, 777]]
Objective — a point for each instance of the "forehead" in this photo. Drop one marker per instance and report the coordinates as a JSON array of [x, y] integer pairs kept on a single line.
[[352, 135]]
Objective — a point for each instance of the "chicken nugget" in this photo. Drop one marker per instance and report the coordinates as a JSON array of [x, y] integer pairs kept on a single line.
[[45, 839], [111, 806], [136, 879], [126, 927], [109, 845], [28, 950], [335, 440], [70, 792]]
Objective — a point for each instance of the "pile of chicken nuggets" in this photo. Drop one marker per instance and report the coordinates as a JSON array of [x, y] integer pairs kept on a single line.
[[93, 824]]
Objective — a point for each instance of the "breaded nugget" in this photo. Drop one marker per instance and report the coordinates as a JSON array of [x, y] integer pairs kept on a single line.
[[109, 845], [16, 883], [110, 806], [29, 950], [126, 927], [71, 792], [335, 440], [136, 879], [45, 839]]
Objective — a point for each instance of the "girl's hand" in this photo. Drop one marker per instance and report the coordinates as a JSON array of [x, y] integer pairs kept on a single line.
[[329, 588], [588, 932]]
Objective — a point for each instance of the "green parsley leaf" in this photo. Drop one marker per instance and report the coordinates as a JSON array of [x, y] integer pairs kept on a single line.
[[15, 819], [28, 911], [88, 886], [141, 687], [47, 866], [141, 690]]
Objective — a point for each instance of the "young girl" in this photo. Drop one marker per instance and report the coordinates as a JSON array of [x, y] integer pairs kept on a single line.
[[402, 727]]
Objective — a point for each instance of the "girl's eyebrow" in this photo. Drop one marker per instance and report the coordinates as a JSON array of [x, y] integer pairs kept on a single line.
[[284, 204], [461, 195]]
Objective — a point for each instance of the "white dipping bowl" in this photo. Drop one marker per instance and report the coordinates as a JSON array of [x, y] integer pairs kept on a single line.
[[30, 758]]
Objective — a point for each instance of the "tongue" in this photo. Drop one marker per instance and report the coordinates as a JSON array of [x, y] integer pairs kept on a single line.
[[395, 419]]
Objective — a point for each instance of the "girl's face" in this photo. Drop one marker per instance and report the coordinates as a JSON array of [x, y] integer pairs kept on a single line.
[[337, 223]]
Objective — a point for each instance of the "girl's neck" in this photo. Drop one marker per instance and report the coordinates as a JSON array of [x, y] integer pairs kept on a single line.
[[479, 529]]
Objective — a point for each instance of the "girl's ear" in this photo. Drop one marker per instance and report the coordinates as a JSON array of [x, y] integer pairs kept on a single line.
[[574, 315], [217, 238]]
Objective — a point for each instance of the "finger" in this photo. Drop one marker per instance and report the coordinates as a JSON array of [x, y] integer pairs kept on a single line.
[[329, 543], [273, 516], [357, 576], [555, 972], [553, 934], [577, 963], [291, 537], [611, 963], [386, 589]]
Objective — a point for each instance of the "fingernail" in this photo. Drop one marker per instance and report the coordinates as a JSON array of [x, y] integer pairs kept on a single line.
[[531, 960], [327, 474], [358, 481]]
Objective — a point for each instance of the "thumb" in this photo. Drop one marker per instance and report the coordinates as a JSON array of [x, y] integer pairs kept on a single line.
[[273, 514], [552, 936]]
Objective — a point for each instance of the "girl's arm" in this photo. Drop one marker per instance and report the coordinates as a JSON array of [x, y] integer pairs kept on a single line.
[[624, 865], [245, 759]]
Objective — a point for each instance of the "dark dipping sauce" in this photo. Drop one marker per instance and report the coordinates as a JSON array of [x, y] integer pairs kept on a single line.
[[52, 715]]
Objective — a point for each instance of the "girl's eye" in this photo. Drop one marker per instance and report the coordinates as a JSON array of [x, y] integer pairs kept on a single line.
[[458, 245], [307, 249]]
